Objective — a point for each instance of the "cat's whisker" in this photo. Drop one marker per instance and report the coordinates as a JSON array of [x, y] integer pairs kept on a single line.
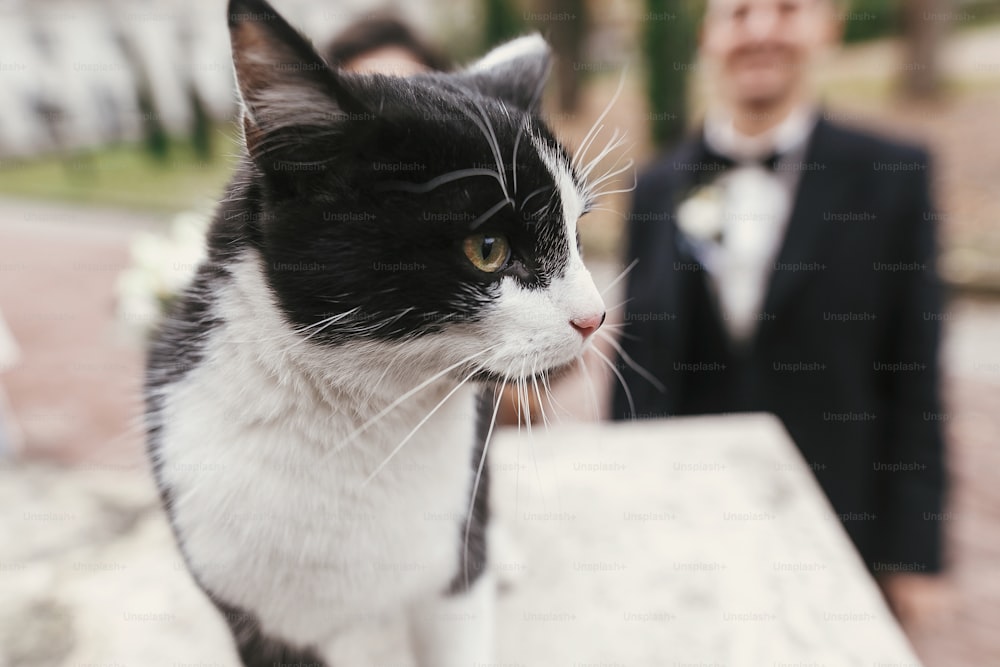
[[594, 189], [546, 382], [585, 146], [303, 334], [627, 270], [591, 390], [605, 208], [610, 364], [438, 181], [613, 172], [538, 191], [517, 472], [538, 395], [546, 423], [392, 406], [496, 144], [491, 140], [475, 484], [542, 399], [605, 193], [523, 416], [522, 127], [616, 141], [527, 397], [531, 435], [618, 305], [614, 98], [631, 362], [542, 379], [416, 428], [376, 325], [598, 191], [513, 158], [490, 213], [325, 323], [619, 330]]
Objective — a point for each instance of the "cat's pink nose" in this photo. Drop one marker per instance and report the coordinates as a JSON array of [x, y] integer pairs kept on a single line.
[[588, 325]]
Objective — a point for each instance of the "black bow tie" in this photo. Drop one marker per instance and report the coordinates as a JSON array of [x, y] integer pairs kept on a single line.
[[709, 162]]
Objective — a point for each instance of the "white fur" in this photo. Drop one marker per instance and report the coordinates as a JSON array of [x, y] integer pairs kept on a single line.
[[275, 522], [270, 497], [274, 503]]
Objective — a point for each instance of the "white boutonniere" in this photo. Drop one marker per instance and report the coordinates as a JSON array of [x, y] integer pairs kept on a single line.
[[701, 216], [161, 266]]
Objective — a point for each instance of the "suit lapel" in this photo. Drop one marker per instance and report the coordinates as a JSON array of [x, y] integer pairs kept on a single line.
[[821, 186], [697, 287], [693, 287]]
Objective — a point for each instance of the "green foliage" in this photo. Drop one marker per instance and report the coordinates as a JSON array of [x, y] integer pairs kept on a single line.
[[178, 178], [669, 44], [978, 12], [502, 22], [201, 126], [870, 19]]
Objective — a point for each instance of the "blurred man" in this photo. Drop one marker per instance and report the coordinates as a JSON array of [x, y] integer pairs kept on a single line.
[[786, 265], [383, 43]]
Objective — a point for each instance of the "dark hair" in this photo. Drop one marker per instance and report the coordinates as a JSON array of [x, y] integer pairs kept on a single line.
[[377, 31]]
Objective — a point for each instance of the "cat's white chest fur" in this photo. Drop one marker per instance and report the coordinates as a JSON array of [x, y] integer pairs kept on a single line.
[[270, 505]]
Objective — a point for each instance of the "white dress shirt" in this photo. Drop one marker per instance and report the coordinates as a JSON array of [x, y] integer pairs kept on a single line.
[[755, 207]]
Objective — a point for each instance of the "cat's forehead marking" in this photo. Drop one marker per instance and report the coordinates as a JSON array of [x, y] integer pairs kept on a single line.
[[569, 194]]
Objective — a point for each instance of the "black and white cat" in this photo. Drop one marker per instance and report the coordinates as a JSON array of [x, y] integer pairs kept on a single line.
[[320, 398]]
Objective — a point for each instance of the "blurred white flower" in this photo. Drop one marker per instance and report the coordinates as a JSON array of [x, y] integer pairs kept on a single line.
[[702, 215], [162, 265]]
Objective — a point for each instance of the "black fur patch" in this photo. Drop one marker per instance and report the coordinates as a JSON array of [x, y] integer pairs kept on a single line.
[[363, 239], [358, 211], [257, 649], [472, 561], [358, 192]]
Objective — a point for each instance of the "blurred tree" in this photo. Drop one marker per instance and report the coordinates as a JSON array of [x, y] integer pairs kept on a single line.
[[502, 22], [566, 29], [869, 19], [154, 132], [669, 45], [201, 126], [924, 25]]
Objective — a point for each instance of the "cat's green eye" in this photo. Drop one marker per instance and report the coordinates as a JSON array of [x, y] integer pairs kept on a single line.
[[486, 252]]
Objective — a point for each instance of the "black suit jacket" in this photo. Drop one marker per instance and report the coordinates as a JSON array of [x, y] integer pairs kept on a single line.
[[845, 351]]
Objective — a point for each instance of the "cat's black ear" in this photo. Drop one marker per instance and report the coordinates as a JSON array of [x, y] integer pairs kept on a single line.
[[514, 72], [283, 82]]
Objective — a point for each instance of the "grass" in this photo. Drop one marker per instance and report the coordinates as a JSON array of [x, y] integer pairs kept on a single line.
[[126, 176]]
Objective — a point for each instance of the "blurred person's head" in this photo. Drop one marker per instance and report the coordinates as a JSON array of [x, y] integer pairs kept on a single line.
[[383, 44], [760, 52]]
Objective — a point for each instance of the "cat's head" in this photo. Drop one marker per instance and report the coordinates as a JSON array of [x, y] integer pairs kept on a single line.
[[435, 209]]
